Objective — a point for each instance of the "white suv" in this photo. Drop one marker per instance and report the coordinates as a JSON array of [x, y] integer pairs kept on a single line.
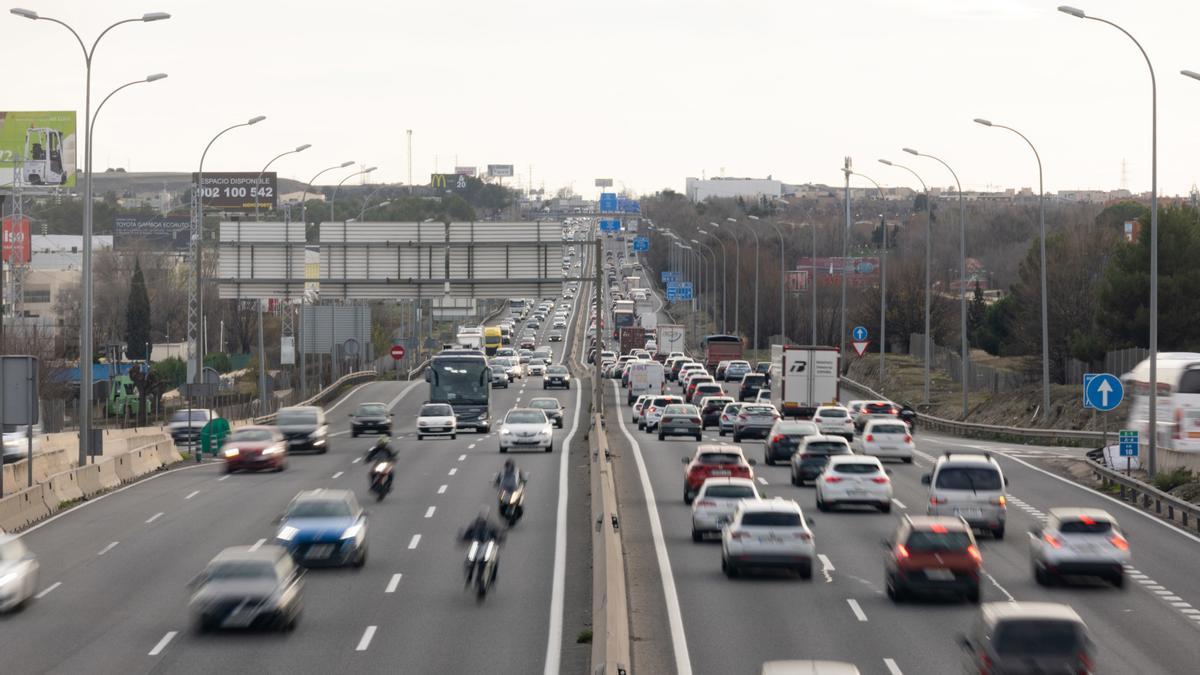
[[767, 533], [884, 439], [716, 501], [854, 479], [834, 420], [970, 486], [1084, 542]]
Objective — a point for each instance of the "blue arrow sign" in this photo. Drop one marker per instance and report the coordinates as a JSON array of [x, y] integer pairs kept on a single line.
[[641, 244], [859, 334], [1103, 391]]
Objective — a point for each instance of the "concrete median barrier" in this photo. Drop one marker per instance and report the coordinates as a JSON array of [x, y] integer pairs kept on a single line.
[[88, 478], [124, 466], [23, 508], [107, 473], [60, 488], [611, 647]]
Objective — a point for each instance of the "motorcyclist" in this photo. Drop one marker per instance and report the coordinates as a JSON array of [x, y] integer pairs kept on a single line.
[[482, 530], [382, 452], [510, 478]]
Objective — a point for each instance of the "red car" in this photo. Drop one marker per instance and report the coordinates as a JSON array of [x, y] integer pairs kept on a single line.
[[932, 554], [253, 449], [714, 461]]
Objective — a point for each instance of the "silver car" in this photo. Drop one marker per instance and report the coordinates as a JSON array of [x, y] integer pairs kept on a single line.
[[679, 420], [18, 573], [526, 428], [248, 587]]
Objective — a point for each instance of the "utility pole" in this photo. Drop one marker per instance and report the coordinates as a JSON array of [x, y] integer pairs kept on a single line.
[[845, 241]]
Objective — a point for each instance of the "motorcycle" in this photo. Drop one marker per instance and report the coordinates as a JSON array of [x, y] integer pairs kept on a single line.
[[512, 504], [480, 565], [381, 480]]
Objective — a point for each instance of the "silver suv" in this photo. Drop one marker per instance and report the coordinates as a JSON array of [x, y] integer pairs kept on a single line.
[[970, 486]]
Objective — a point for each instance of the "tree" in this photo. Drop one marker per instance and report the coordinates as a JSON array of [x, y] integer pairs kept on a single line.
[[137, 316], [976, 313], [994, 334], [171, 372], [218, 361]]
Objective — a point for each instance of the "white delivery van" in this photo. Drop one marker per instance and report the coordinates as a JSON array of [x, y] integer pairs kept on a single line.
[[645, 377], [1178, 401], [803, 379]]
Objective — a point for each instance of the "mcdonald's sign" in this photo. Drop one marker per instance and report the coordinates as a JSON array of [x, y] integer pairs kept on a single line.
[[447, 181]]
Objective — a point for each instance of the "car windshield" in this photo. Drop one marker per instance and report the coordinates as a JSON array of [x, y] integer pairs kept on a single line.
[[856, 468], [537, 362], [968, 478], [757, 410], [371, 410], [319, 508], [190, 415], [831, 412], [437, 411], [295, 417], [826, 448], [797, 428], [730, 492], [878, 408], [1088, 526], [557, 370], [733, 408], [927, 541], [772, 519], [677, 410], [716, 405], [1036, 637], [719, 458], [241, 569], [544, 403], [249, 435], [755, 378], [525, 417], [889, 429]]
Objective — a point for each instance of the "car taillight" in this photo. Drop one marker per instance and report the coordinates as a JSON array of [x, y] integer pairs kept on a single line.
[[973, 551], [1052, 540], [880, 479], [1085, 663], [706, 502], [833, 479], [653, 409], [870, 438], [849, 421], [743, 416], [818, 420], [1002, 501], [907, 438], [695, 420], [901, 552], [937, 500], [777, 438], [1119, 542], [737, 534], [803, 536]]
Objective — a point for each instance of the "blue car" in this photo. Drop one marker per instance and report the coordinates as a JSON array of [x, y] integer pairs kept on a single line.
[[324, 528]]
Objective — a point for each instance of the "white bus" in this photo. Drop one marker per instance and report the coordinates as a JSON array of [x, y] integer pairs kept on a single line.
[[1178, 400]]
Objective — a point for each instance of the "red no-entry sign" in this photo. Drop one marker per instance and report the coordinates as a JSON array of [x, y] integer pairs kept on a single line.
[[397, 352]]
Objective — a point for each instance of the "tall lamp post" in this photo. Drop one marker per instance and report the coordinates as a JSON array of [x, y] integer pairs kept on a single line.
[[737, 276], [85, 323], [1042, 247], [928, 258], [757, 260], [724, 280], [1153, 463], [882, 281], [335, 189], [712, 296], [258, 181], [962, 278], [782, 280]]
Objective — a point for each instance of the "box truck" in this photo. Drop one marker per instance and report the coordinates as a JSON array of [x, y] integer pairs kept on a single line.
[[803, 378]]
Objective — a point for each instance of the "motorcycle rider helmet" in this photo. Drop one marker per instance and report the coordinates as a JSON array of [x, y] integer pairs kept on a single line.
[[382, 441], [508, 465]]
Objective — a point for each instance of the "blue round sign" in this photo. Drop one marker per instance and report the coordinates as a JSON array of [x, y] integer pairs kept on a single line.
[[1104, 392], [859, 333]]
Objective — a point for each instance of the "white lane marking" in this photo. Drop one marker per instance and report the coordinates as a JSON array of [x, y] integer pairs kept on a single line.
[[108, 548], [683, 660], [399, 396], [442, 490], [825, 563], [154, 517], [462, 457], [223, 478], [899, 504], [471, 446], [351, 393], [892, 667], [858, 612], [414, 541], [356, 460], [1002, 589], [429, 511], [453, 471], [258, 544], [162, 644], [395, 581], [194, 493], [518, 399], [762, 480], [338, 474], [366, 639], [48, 590]]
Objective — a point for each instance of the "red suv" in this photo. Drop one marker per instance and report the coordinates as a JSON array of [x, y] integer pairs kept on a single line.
[[932, 554], [714, 461]]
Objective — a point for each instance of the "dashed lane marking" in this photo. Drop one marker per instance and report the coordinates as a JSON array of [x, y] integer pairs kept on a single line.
[[893, 669], [429, 511], [48, 590], [108, 548], [858, 612], [194, 493], [162, 644], [416, 539], [258, 544], [154, 517], [395, 581], [453, 471], [442, 490], [365, 642], [338, 474]]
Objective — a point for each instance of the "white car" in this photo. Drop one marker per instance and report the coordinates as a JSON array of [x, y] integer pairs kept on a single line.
[[685, 369], [559, 323], [18, 573], [686, 375], [652, 412], [526, 428], [537, 367], [1084, 542], [716, 501], [767, 533], [436, 419], [637, 409], [854, 479], [834, 420], [763, 396], [886, 439]]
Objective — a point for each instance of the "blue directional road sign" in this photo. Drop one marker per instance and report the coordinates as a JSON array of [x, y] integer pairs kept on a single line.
[[610, 226], [685, 290], [1128, 440], [1102, 391], [608, 202], [672, 291], [641, 244], [670, 277], [859, 334]]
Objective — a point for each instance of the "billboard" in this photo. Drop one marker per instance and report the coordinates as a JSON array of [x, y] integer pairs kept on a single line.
[[500, 170], [238, 191], [604, 182], [465, 170], [860, 272], [17, 246], [448, 181], [37, 148], [159, 233]]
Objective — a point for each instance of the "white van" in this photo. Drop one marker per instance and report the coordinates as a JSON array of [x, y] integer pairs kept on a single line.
[[1178, 401], [645, 377]]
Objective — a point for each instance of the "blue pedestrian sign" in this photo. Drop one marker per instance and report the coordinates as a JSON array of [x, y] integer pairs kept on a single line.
[[1128, 440], [641, 244], [608, 202], [610, 225], [1102, 391], [859, 334]]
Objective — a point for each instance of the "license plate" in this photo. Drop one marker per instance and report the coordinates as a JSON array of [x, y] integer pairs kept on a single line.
[[719, 473], [939, 574], [969, 513], [856, 493], [319, 551], [888, 447], [240, 619]]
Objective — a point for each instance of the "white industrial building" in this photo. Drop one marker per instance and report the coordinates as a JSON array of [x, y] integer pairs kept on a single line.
[[700, 189]]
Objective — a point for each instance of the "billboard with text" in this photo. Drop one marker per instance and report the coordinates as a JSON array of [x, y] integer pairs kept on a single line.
[[160, 234], [238, 191], [500, 170], [17, 246], [37, 148], [860, 272]]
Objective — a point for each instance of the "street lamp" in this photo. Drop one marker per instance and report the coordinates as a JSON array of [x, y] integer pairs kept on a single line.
[[962, 276], [782, 283], [882, 281], [1042, 247], [712, 297], [757, 261], [258, 181], [335, 189], [737, 277], [366, 208], [928, 257], [196, 320], [85, 323], [309, 184], [724, 280]]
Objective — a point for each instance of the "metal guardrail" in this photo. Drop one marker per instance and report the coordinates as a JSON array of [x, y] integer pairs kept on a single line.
[[993, 431], [611, 647], [329, 392], [1147, 496]]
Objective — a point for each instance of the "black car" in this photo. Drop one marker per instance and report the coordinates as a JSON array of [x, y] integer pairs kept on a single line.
[[710, 414], [764, 367], [371, 418], [785, 437], [304, 428], [751, 384], [556, 376], [553, 409], [813, 454]]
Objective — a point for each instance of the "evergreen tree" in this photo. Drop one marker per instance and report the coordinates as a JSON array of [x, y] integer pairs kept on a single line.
[[137, 316]]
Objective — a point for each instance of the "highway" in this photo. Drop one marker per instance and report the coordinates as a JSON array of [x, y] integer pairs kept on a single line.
[[689, 617], [114, 573]]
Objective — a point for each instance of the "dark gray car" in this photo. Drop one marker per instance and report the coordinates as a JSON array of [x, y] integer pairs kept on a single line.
[[304, 428], [1027, 637], [679, 420], [371, 418], [553, 409], [247, 587]]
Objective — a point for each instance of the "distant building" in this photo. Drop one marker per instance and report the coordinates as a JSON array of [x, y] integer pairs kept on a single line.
[[700, 189], [54, 266]]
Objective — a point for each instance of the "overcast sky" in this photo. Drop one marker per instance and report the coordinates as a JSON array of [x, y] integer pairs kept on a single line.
[[644, 91]]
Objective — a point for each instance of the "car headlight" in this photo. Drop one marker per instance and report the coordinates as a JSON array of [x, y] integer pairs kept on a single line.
[[230, 452], [287, 533], [505, 432], [319, 441], [8, 578], [273, 450], [422, 423], [353, 531]]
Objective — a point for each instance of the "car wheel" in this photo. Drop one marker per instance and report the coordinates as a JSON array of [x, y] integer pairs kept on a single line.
[[420, 437], [737, 438], [885, 507], [550, 448], [767, 458], [687, 496], [973, 596], [1118, 580], [291, 624], [641, 427], [228, 469], [795, 481], [998, 533], [503, 449], [896, 592], [729, 570], [805, 570], [324, 449], [661, 437], [698, 438], [353, 433], [453, 436], [362, 558], [1040, 575], [697, 536], [560, 424], [722, 433], [821, 504]]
